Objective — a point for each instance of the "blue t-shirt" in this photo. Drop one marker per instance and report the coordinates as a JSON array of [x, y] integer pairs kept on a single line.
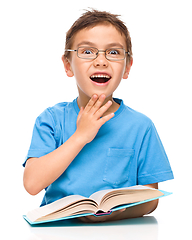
[[127, 151]]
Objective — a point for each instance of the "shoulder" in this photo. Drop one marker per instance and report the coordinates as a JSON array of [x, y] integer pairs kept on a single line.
[[137, 117], [55, 112], [60, 107]]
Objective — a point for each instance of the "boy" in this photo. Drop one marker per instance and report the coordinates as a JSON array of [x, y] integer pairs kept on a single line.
[[95, 142]]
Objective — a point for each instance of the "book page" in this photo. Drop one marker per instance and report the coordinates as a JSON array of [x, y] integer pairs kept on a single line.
[[53, 207], [98, 196], [127, 197], [80, 208]]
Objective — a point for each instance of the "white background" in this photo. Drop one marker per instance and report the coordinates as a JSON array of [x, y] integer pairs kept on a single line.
[[32, 78]]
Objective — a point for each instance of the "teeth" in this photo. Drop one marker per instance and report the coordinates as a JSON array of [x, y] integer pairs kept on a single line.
[[100, 76]]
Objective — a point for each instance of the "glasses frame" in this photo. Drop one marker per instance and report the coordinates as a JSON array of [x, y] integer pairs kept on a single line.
[[97, 54]]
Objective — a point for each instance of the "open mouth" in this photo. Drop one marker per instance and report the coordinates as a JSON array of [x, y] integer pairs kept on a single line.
[[100, 78]]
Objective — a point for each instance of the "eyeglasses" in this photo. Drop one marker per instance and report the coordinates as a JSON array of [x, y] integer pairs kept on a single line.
[[112, 54]]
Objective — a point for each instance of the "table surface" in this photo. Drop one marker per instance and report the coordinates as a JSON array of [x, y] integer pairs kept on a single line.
[[171, 219]]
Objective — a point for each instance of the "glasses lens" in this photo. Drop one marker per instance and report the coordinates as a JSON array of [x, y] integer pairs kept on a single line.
[[115, 54], [87, 52]]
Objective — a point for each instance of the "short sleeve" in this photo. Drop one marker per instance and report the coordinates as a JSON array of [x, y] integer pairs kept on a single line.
[[153, 164], [43, 138]]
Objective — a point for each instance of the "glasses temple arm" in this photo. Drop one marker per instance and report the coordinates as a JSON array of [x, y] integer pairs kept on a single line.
[[70, 50]]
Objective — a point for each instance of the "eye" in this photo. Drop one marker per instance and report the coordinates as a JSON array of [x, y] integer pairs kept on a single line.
[[86, 51], [113, 52]]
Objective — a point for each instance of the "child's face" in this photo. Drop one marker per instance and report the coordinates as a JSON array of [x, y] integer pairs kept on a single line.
[[101, 37]]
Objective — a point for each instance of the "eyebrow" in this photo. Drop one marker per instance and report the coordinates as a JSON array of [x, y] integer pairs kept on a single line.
[[93, 44], [85, 43], [115, 45]]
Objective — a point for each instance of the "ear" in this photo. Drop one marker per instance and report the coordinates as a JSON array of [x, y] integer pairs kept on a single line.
[[67, 66], [128, 68]]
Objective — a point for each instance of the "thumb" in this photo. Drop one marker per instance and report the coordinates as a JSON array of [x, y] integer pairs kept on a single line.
[[122, 210]]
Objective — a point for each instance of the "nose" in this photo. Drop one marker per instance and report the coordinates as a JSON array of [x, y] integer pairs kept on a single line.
[[101, 60]]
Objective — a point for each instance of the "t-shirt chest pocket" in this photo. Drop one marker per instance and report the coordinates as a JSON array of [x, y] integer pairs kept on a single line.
[[117, 166]]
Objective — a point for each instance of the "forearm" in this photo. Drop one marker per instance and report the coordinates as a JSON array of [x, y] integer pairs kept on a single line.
[[138, 210], [142, 209], [41, 172]]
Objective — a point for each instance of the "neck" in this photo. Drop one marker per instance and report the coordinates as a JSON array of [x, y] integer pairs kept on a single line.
[[83, 100]]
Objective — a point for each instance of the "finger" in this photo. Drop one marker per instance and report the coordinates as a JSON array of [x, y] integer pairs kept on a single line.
[[113, 216], [106, 118], [91, 103], [122, 210], [103, 109], [93, 219], [85, 219], [98, 104]]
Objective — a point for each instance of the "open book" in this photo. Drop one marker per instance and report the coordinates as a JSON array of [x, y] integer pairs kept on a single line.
[[99, 203]]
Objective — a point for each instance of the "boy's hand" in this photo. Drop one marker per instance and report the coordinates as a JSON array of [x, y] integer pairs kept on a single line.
[[90, 118], [114, 216]]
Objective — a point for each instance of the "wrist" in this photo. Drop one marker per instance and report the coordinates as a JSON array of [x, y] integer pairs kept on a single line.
[[77, 137]]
